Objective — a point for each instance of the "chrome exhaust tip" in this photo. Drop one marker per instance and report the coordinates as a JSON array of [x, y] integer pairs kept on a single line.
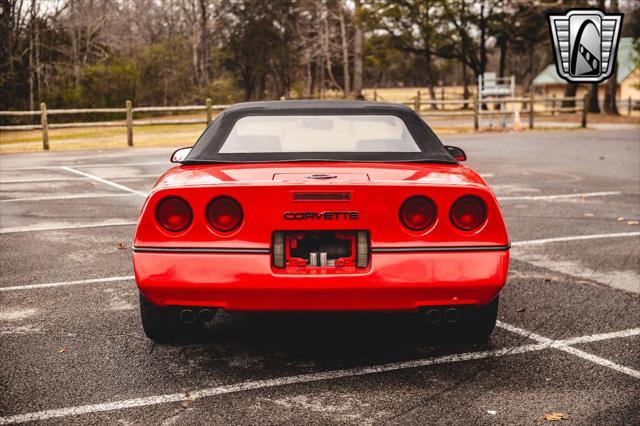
[[451, 315], [432, 316], [206, 315], [187, 316]]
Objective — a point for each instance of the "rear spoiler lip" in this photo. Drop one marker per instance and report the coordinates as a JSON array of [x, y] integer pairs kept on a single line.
[[316, 160]]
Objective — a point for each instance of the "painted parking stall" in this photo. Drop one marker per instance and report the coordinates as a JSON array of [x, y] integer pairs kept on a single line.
[[68, 307]]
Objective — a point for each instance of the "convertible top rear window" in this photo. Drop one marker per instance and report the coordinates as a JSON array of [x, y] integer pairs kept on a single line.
[[318, 131]]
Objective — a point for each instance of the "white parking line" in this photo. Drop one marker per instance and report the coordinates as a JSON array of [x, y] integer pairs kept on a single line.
[[105, 181], [33, 228], [93, 165], [66, 197], [602, 336], [574, 238], [310, 378], [559, 196], [67, 283], [627, 280], [72, 179], [601, 361], [64, 179], [563, 345]]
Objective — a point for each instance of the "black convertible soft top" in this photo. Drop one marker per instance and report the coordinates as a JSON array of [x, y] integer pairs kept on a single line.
[[206, 149]]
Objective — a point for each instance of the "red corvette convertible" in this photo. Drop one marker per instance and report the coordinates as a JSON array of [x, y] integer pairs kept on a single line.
[[320, 206]]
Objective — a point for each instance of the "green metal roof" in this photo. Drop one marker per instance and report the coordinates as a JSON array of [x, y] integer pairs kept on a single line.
[[627, 62]]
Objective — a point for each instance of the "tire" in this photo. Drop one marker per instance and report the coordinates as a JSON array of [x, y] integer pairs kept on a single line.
[[480, 323], [162, 325]]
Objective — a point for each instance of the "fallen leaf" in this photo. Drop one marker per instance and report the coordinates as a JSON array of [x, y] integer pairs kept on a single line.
[[523, 309], [547, 280], [62, 350], [555, 417], [122, 246], [492, 412], [620, 219], [588, 215], [633, 222]]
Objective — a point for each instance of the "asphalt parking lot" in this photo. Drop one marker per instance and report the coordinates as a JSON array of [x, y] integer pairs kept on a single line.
[[72, 350]]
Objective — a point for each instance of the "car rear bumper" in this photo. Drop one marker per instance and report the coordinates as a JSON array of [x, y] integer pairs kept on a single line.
[[248, 282]]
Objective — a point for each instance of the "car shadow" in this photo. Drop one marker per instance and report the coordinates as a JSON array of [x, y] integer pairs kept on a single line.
[[335, 340]]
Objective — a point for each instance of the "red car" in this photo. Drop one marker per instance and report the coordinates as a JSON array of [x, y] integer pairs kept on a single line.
[[320, 206]]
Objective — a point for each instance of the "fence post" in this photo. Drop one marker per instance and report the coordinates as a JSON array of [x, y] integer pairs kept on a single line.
[[629, 106], [476, 113], [375, 95], [129, 123], [416, 106], [553, 104], [45, 126], [584, 110], [531, 109], [209, 112]]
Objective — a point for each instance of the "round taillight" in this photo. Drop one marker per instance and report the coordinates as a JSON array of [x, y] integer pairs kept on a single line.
[[174, 214], [468, 213], [418, 213], [224, 214]]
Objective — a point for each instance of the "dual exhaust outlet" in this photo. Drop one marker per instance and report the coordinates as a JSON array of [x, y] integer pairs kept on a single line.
[[449, 315], [189, 316], [432, 316], [317, 259]]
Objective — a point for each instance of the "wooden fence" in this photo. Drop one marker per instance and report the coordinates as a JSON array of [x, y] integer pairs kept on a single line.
[[481, 108], [452, 108], [128, 111]]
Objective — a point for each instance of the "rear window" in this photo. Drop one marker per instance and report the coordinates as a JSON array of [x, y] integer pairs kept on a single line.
[[319, 133]]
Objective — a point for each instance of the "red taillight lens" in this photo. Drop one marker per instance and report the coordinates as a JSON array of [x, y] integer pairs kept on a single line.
[[174, 214], [418, 213], [224, 214], [468, 213]]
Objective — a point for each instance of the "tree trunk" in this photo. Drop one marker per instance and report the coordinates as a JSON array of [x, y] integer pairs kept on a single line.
[[503, 45], [357, 52], [593, 104], [570, 91], [465, 84], [31, 46], [37, 62], [345, 55], [321, 84], [74, 45], [308, 83], [204, 44], [483, 40], [611, 90], [430, 77], [327, 52]]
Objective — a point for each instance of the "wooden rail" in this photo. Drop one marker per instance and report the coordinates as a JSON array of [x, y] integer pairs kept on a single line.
[[462, 108], [129, 123], [480, 108]]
